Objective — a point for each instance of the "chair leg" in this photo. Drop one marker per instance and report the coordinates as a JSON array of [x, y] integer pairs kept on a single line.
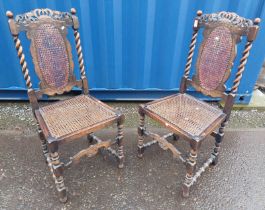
[[190, 167], [57, 172], [175, 137], [141, 135], [218, 139], [90, 139], [44, 145], [120, 145]]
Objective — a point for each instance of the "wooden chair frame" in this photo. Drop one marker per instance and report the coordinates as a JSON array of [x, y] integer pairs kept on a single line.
[[30, 22], [238, 27]]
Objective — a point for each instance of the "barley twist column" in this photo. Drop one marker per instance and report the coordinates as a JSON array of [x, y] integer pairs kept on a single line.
[[241, 67], [78, 45], [252, 33], [19, 49], [141, 134], [79, 53], [192, 46], [22, 61]]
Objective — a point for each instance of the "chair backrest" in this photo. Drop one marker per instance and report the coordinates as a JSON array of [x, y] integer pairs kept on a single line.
[[222, 32], [50, 48]]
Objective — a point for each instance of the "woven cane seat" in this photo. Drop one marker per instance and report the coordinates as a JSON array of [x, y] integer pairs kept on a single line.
[[71, 116], [189, 115]]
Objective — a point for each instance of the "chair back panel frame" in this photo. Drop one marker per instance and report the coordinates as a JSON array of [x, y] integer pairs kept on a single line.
[[238, 27], [45, 86], [196, 80], [30, 22]]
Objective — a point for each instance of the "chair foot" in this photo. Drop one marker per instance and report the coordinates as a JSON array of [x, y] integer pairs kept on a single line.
[[59, 182], [185, 191], [140, 152], [121, 165], [140, 156], [63, 196], [120, 157]]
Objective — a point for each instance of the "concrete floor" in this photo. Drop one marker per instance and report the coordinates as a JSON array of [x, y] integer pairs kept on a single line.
[[154, 182]]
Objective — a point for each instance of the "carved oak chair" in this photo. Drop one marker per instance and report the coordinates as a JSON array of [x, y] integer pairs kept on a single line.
[[191, 118], [66, 120]]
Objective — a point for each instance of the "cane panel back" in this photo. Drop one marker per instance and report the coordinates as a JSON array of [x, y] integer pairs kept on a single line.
[[50, 49], [222, 32]]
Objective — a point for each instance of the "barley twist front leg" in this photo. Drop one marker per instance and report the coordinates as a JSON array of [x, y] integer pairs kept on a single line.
[[56, 168]]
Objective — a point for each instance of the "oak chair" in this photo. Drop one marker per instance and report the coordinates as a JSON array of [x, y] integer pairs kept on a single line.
[[191, 118], [70, 119]]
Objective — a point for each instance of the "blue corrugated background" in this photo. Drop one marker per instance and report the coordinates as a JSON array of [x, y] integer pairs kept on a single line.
[[133, 49]]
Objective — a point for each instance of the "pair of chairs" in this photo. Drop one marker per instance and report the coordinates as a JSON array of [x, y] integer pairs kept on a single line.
[[186, 116]]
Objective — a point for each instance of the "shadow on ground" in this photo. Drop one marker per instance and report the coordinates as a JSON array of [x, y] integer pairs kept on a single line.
[[154, 182]]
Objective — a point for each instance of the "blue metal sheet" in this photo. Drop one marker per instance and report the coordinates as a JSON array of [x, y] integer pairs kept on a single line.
[[133, 49]]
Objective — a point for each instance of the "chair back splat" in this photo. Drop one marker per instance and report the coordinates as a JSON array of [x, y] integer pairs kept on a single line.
[[221, 33], [50, 49]]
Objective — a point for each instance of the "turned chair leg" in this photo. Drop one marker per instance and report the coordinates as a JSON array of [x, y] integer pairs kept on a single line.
[[120, 145], [90, 138], [218, 139], [190, 167], [141, 135], [44, 145], [57, 172], [175, 137]]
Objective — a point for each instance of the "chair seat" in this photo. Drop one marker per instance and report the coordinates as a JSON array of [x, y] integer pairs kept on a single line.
[[187, 115], [79, 114]]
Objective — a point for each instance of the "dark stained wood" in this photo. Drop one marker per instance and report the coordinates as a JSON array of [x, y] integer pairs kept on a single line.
[[90, 151], [171, 117], [58, 122]]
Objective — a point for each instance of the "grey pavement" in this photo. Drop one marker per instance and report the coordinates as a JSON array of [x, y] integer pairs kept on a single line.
[[154, 182]]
